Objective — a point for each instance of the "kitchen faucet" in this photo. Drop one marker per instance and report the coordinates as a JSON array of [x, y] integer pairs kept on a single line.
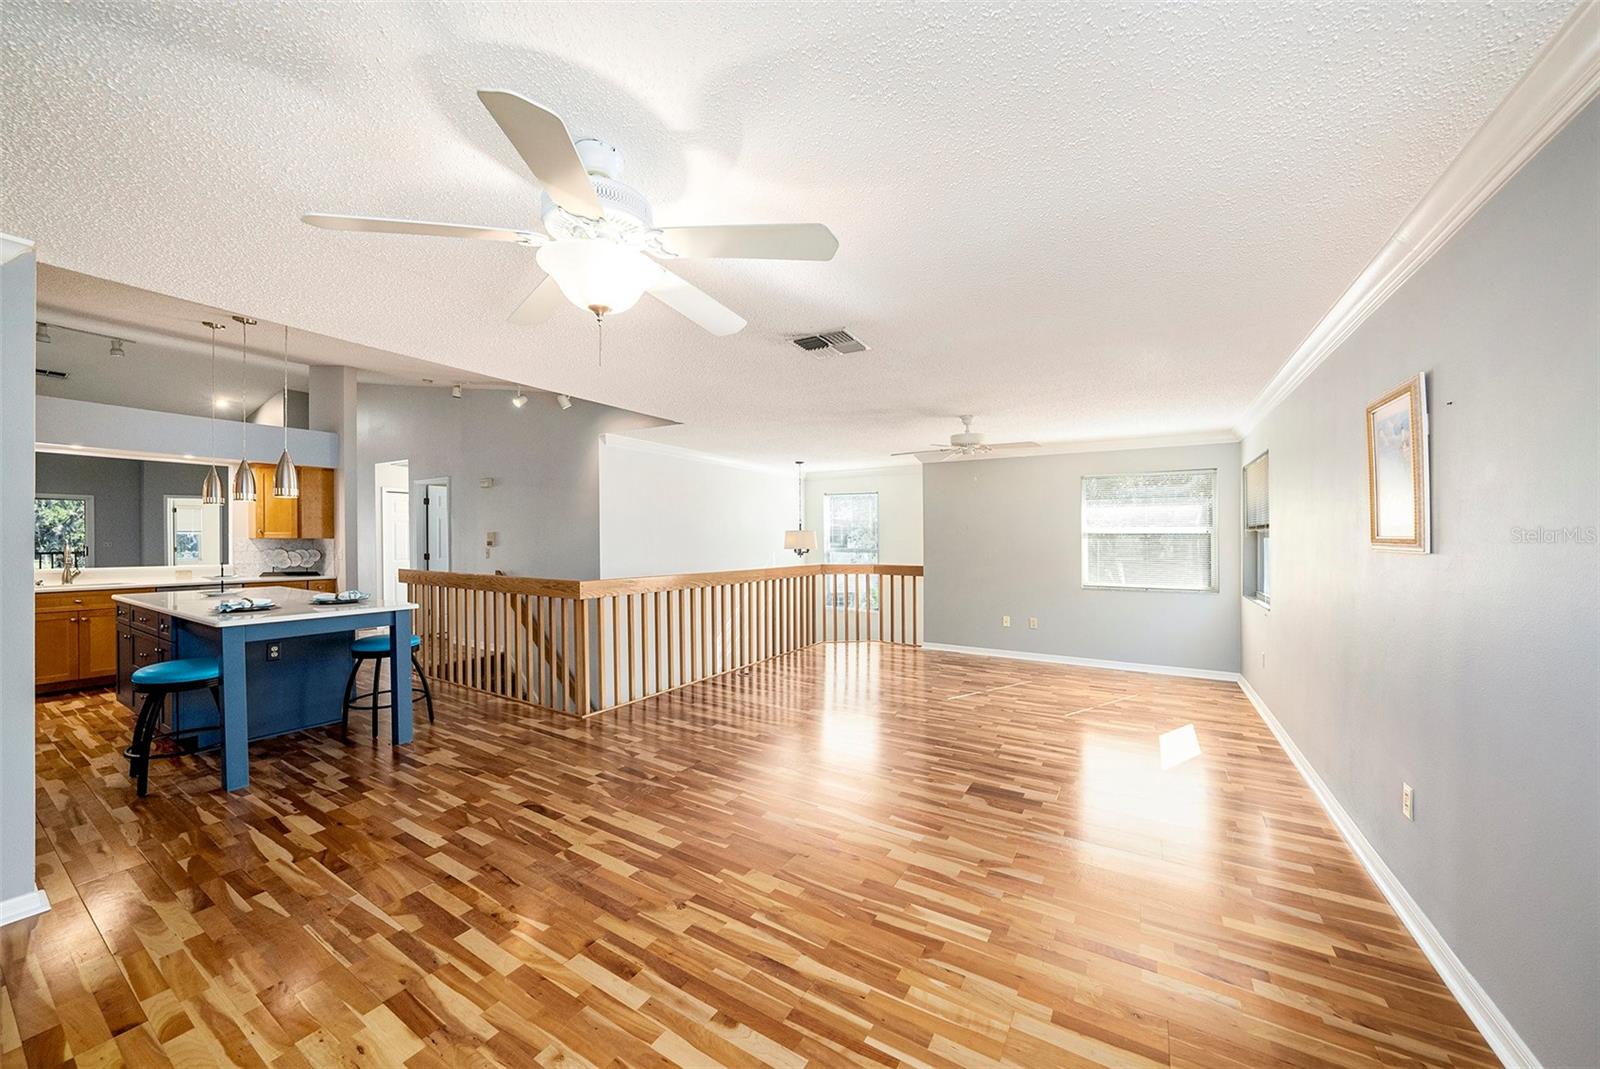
[[69, 566]]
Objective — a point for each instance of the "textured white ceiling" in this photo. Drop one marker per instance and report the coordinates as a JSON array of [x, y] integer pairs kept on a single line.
[[1077, 221]]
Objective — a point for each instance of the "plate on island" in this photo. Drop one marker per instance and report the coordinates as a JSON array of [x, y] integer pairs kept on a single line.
[[344, 597], [249, 605]]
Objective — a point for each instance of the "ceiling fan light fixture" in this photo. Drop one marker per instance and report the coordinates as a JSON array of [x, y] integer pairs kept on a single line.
[[597, 275]]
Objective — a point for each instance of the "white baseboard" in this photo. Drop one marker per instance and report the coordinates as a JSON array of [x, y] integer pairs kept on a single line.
[[23, 906], [1085, 662], [1497, 1031]]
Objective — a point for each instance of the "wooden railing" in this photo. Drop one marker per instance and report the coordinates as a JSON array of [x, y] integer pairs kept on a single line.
[[587, 645]]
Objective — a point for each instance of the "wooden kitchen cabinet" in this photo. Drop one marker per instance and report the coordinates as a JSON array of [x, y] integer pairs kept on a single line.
[[74, 647], [55, 649], [308, 516]]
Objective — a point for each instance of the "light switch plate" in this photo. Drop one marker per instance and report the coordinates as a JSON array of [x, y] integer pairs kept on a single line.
[[1033, 623], [1407, 804]]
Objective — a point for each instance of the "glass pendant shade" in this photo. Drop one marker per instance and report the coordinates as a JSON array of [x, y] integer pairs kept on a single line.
[[598, 275], [801, 541], [244, 482], [212, 493], [285, 480]]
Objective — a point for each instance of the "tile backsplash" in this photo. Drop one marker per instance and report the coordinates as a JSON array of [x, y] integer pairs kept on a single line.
[[252, 556]]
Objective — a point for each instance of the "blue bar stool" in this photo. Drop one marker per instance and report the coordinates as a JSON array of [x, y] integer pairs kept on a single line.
[[155, 682], [375, 648]]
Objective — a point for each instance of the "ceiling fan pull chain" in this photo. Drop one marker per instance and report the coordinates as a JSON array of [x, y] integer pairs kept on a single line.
[[600, 341]]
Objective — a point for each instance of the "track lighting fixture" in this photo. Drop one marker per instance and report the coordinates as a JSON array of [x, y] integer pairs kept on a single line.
[[116, 347], [564, 401], [519, 399], [41, 333], [455, 391]]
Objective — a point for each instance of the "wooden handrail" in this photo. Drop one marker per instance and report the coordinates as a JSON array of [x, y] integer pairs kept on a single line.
[[587, 645]]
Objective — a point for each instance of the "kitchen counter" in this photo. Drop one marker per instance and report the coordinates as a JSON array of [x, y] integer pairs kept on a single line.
[[55, 586], [284, 669], [292, 604]]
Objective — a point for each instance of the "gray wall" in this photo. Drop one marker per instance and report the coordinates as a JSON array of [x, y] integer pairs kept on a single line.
[[1002, 537], [115, 486], [1470, 673], [130, 523], [545, 462], [16, 573]]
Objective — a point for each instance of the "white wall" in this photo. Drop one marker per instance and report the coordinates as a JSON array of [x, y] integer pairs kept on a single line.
[[899, 491], [665, 511], [18, 895], [1472, 672], [1004, 538]]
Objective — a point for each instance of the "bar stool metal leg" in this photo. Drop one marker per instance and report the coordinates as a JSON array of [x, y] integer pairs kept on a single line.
[[349, 690], [377, 666], [427, 695]]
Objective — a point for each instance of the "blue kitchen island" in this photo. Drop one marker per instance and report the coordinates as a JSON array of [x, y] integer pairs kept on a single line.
[[283, 669]]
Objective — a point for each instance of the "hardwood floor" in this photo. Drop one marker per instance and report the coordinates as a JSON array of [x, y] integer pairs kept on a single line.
[[862, 855]]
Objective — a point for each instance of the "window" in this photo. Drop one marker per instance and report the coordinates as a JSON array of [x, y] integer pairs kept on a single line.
[[1257, 532], [62, 522], [850, 532], [1150, 531]]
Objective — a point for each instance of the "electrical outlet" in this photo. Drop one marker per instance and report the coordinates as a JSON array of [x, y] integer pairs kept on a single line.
[[1406, 802], [1005, 621], [1033, 623], [273, 651]]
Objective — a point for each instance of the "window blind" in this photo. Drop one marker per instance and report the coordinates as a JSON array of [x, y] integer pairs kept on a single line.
[[1256, 512], [1150, 530]]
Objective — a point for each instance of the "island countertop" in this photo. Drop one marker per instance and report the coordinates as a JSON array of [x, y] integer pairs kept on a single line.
[[200, 606]]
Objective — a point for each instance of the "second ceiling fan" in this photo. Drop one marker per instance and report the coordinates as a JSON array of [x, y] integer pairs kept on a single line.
[[600, 247]]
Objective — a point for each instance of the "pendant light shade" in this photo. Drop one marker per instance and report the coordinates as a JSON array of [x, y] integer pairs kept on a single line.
[[800, 540], [244, 479], [244, 482], [285, 480], [212, 493]]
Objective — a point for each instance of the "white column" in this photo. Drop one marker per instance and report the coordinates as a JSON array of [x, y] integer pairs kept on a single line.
[[19, 896], [333, 408]]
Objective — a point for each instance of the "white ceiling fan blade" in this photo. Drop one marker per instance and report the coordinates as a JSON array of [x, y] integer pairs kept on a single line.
[[373, 225], [695, 304], [541, 139], [759, 241], [922, 452], [538, 305], [1012, 445]]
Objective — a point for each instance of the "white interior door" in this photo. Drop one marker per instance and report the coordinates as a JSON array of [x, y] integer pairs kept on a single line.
[[194, 532], [396, 527]]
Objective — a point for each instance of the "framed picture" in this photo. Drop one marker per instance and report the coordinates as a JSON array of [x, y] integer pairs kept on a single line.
[[1397, 468]]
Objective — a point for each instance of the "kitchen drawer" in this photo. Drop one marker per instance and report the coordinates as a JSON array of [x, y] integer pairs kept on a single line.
[[148, 621], [83, 599]]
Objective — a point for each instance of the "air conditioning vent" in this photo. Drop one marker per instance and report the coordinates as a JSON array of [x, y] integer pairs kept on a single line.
[[839, 341], [49, 373]]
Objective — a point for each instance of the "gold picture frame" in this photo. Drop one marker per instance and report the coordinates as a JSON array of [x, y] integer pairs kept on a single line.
[[1398, 513]]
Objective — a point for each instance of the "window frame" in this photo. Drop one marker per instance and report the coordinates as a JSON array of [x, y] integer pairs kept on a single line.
[[1084, 532], [88, 524], [848, 595]]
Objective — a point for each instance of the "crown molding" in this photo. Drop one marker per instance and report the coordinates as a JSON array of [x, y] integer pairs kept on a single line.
[[1562, 80]]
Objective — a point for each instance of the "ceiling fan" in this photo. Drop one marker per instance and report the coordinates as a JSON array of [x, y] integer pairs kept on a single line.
[[600, 246], [965, 443]]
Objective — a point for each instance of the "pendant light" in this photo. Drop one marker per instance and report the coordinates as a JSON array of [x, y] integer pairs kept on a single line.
[[244, 479], [285, 480], [800, 540], [213, 492]]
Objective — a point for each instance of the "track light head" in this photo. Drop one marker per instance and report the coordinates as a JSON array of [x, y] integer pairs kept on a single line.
[[41, 333], [564, 401], [455, 391], [116, 347], [519, 399]]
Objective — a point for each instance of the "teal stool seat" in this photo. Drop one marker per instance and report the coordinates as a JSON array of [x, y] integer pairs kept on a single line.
[[375, 648], [378, 644], [156, 682], [190, 670]]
